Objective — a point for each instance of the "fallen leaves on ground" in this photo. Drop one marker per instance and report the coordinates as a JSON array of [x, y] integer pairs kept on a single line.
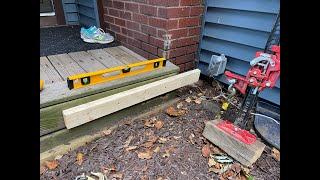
[[215, 150], [152, 139], [43, 169], [198, 100], [171, 111], [147, 144], [166, 154], [117, 175], [131, 148], [176, 137], [179, 105], [79, 158], [126, 144], [149, 122], [206, 150], [191, 138], [58, 157], [211, 162], [162, 140], [52, 164], [144, 177], [145, 155], [275, 154], [157, 149], [159, 124], [107, 132], [188, 100]]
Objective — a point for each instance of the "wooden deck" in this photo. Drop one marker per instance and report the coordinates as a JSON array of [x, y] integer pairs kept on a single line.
[[57, 68], [54, 70]]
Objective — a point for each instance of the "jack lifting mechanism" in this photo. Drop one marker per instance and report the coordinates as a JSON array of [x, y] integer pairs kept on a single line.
[[264, 73]]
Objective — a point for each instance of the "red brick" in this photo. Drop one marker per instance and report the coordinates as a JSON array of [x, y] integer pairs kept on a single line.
[[141, 36], [174, 12], [134, 42], [177, 52], [161, 33], [140, 18], [194, 31], [114, 12], [133, 25], [157, 22], [121, 38], [149, 48], [108, 3], [114, 28], [152, 56], [130, 33], [124, 31], [109, 19], [182, 66], [178, 33], [189, 22], [184, 59], [189, 65], [119, 22], [192, 48], [196, 11], [118, 4], [137, 50], [156, 42], [172, 24], [148, 10], [140, 1], [132, 7], [125, 15], [107, 25], [189, 2], [164, 2], [184, 42], [149, 30]]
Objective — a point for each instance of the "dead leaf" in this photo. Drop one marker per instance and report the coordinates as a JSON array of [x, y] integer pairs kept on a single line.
[[58, 157], [198, 100], [218, 165], [159, 124], [152, 139], [117, 175], [147, 144], [162, 140], [144, 177], [211, 162], [79, 158], [148, 123], [145, 155], [188, 100], [43, 169], [171, 111], [212, 169], [191, 138], [216, 150], [126, 144], [179, 105], [275, 154], [144, 168], [157, 149], [176, 137], [159, 178], [166, 154], [245, 170], [131, 148], [52, 164], [107, 132], [206, 150], [236, 167]]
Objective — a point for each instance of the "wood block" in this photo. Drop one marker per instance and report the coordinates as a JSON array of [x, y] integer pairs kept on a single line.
[[244, 153], [85, 113]]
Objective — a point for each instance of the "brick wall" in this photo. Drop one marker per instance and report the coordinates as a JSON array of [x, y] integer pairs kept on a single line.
[[157, 28]]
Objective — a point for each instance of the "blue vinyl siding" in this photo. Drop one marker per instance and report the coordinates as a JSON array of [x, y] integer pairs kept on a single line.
[[238, 29]]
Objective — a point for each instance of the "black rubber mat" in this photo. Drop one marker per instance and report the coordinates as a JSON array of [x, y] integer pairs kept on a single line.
[[65, 39]]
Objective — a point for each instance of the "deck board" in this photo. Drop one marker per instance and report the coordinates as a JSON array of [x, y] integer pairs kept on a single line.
[[139, 57], [47, 72], [65, 65], [105, 58], [121, 55], [86, 61]]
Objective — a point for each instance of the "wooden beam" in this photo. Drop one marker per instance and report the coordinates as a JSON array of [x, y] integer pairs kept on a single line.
[[245, 154], [85, 113]]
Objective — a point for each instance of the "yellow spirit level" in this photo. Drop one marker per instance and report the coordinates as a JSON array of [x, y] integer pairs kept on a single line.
[[109, 74], [41, 84]]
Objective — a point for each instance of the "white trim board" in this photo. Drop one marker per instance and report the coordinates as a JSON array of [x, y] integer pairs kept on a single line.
[[87, 112]]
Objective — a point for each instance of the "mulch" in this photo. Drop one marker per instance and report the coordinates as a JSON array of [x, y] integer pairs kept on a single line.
[[180, 142]]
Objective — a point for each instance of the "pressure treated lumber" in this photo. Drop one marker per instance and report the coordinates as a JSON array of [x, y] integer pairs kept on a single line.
[[245, 154], [85, 113]]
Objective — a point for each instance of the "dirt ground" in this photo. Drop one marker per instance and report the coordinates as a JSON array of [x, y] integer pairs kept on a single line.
[[166, 145]]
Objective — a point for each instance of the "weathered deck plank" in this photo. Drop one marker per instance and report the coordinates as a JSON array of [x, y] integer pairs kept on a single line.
[[65, 65], [132, 53], [47, 72], [86, 61], [105, 58], [121, 55]]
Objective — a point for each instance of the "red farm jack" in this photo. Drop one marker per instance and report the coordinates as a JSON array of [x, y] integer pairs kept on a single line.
[[264, 72]]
